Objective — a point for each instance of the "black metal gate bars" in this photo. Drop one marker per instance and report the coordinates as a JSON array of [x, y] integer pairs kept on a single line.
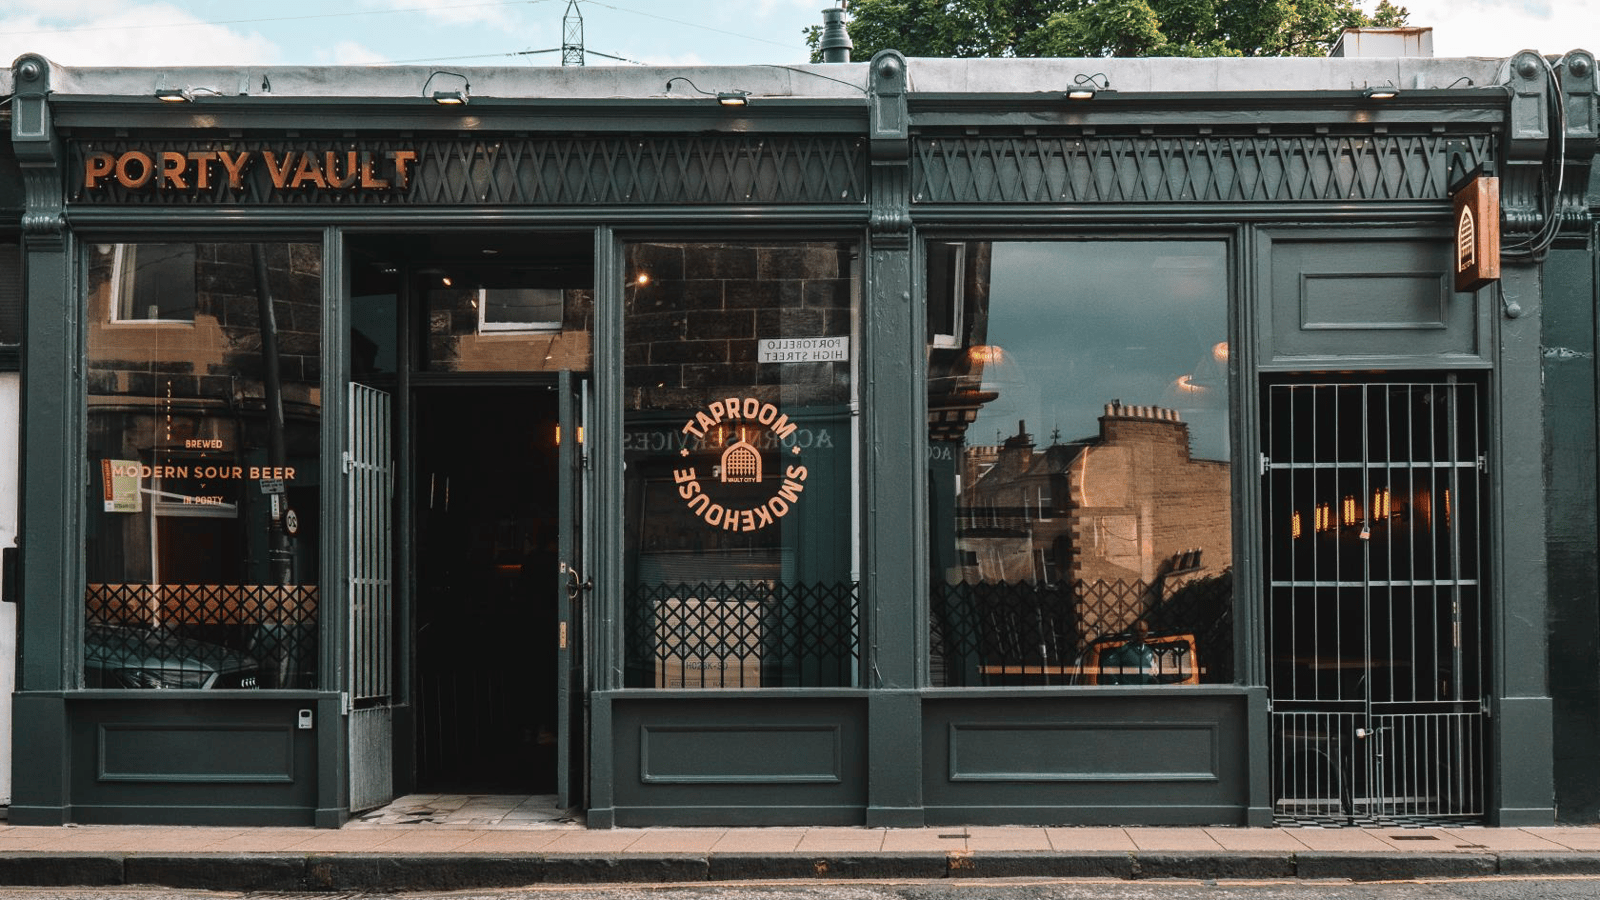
[[1376, 608]]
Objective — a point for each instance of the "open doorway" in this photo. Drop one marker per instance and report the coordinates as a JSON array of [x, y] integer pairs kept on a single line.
[[486, 483]]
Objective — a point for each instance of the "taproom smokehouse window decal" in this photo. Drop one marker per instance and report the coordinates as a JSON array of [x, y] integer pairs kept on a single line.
[[739, 464]]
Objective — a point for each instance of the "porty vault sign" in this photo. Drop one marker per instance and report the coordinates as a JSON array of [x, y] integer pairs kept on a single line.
[[286, 169]]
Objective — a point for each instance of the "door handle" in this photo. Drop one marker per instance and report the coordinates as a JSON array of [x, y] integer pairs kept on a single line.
[[576, 586]]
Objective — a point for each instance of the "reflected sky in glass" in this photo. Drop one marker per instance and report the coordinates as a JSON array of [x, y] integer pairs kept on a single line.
[[1080, 324]]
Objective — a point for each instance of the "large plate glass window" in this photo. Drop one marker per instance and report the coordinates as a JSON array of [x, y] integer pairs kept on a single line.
[[1080, 525], [740, 419], [204, 413]]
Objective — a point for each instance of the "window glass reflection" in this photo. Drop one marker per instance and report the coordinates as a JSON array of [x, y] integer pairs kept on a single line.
[[739, 440], [204, 413], [470, 302], [1080, 525]]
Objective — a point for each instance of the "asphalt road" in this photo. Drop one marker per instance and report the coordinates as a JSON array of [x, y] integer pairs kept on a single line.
[[1494, 888]]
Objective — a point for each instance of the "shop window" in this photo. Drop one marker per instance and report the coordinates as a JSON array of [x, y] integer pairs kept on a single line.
[[152, 282], [201, 543], [1079, 463], [739, 445]]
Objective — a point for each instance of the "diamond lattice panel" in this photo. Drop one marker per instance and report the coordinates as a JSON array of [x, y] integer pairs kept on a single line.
[[1175, 169]]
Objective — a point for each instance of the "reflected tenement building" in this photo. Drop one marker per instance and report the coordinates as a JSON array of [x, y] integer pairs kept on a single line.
[[1042, 553]]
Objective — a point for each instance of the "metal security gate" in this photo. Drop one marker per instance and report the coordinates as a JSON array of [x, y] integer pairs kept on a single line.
[[1374, 504], [370, 659]]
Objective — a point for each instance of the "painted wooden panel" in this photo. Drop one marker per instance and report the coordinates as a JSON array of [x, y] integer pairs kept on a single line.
[[1333, 297], [1177, 755], [1368, 301], [1080, 751], [168, 752], [735, 757], [771, 754]]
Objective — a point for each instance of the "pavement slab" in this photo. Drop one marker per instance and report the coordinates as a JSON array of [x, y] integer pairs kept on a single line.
[[506, 841], [759, 840], [841, 839], [1256, 839], [1012, 839], [677, 840], [1069, 840], [612, 841], [1570, 838], [1348, 840], [1172, 839]]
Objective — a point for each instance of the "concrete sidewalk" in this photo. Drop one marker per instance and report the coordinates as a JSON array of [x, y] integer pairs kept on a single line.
[[394, 852]]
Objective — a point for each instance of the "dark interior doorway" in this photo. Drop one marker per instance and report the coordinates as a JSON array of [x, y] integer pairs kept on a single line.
[[486, 532]]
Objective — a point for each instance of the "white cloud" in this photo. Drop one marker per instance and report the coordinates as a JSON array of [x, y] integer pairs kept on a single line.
[[461, 12], [682, 60], [1500, 28], [349, 53], [147, 35]]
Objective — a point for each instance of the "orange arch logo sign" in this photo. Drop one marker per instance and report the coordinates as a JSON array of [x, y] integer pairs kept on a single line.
[[722, 498]]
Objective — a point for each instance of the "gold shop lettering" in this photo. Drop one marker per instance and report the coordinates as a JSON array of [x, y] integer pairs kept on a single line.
[[254, 473], [287, 169], [740, 463]]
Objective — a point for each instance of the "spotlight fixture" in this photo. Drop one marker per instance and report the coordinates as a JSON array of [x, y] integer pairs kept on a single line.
[[184, 94], [726, 98], [1085, 87], [455, 97], [1388, 92]]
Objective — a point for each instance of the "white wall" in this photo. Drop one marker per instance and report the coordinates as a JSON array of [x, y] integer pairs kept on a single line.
[[10, 395]]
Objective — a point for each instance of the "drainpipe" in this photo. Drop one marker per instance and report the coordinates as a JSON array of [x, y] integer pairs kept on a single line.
[[835, 45], [280, 552]]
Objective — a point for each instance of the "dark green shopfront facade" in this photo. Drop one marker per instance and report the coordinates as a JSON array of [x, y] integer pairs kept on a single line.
[[909, 445]]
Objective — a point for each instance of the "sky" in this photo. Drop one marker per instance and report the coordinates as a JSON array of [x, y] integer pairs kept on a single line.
[[509, 32]]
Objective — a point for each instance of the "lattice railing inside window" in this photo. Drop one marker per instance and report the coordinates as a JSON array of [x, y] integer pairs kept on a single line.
[[201, 636], [743, 634], [998, 633]]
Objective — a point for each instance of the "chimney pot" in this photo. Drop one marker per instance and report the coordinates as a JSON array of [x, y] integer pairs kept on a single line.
[[836, 44]]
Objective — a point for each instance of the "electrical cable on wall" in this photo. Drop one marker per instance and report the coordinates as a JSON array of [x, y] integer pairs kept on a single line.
[[1535, 246]]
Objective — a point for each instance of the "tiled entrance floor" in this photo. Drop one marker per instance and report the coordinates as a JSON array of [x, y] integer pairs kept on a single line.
[[471, 811]]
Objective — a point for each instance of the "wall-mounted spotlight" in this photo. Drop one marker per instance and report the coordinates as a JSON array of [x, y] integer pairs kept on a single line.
[[1085, 87], [452, 96], [1387, 92], [726, 98], [184, 94]]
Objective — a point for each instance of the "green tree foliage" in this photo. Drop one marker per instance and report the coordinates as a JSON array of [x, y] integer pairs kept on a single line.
[[1094, 28]]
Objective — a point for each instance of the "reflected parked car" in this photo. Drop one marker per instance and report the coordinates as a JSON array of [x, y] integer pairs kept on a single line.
[[116, 656]]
